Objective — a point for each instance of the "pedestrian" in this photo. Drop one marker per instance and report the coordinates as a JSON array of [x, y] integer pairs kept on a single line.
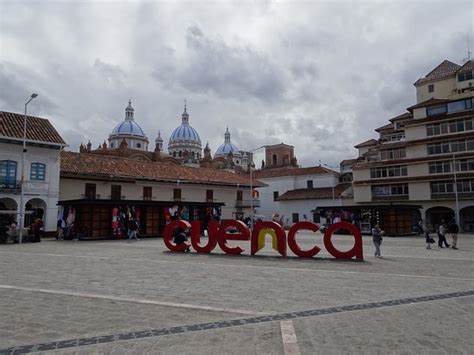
[[377, 239], [442, 229], [453, 230], [133, 230], [180, 237], [426, 232], [37, 226]]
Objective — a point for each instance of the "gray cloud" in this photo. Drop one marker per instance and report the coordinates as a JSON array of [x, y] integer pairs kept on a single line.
[[318, 75]]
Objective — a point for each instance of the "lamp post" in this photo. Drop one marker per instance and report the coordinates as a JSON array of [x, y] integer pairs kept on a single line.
[[251, 184], [22, 181], [458, 222]]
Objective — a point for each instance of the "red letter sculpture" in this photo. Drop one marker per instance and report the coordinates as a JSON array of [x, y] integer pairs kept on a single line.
[[168, 235], [212, 233], [295, 248], [356, 249], [224, 236]]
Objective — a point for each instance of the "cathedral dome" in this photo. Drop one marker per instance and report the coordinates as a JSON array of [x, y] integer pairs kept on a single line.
[[227, 147], [128, 126], [184, 134], [130, 131]]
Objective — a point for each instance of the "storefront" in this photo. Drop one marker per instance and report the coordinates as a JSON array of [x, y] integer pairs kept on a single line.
[[97, 219], [392, 219]]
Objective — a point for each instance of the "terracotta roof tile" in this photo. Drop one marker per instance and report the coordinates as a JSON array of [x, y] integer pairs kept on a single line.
[[37, 129], [403, 116], [445, 70], [428, 102], [385, 127], [279, 172], [314, 194], [95, 165], [469, 65], [367, 143]]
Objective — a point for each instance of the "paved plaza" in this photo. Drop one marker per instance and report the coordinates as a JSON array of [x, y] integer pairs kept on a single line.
[[116, 297]]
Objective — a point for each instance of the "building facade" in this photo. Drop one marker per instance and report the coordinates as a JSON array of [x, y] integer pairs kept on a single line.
[[41, 167], [424, 158], [94, 188]]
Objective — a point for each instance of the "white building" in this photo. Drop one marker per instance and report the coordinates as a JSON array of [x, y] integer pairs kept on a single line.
[[93, 185], [41, 187], [294, 192]]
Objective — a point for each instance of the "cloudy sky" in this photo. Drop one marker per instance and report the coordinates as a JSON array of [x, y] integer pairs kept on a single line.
[[317, 75]]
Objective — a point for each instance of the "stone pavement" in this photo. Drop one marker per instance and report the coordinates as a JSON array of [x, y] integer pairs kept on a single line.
[[119, 297]]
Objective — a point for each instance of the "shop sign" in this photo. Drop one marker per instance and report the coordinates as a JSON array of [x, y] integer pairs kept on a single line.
[[221, 233]]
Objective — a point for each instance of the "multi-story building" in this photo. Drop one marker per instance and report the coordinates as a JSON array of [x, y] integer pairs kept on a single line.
[[41, 169], [423, 159]]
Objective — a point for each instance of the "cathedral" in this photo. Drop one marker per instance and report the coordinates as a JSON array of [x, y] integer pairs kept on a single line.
[[128, 140]]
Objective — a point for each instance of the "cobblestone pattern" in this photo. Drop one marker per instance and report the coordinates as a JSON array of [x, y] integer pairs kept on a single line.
[[148, 333]]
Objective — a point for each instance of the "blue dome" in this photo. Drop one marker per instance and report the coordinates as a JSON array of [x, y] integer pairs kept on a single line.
[[226, 148], [185, 133], [128, 127]]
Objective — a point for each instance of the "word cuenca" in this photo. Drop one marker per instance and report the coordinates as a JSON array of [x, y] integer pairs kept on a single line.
[[237, 230]]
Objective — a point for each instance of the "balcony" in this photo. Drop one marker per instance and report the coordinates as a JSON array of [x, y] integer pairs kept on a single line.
[[246, 203], [10, 186]]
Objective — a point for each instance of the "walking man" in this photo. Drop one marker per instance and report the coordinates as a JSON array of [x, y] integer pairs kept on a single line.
[[442, 229], [133, 227], [377, 239], [453, 229]]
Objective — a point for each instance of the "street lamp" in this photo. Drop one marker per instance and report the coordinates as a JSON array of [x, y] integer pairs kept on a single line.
[[22, 181], [458, 222], [251, 183]]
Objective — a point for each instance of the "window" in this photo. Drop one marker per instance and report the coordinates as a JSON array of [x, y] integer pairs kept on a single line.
[[147, 193], [240, 195], [139, 145], [116, 192], [177, 194], [274, 160], [439, 167], [392, 154], [275, 195], [465, 165], [451, 146], [111, 145], [37, 171], [309, 184], [390, 171], [450, 127], [467, 75], [390, 190], [90, 191], [431, 88], [209, 195], [296, 217], [8, 173], [436, 110]]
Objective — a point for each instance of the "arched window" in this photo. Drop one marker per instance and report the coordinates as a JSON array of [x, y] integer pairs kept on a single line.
[[274, 160], [139, 145], [8, 173], [180, 154], [37, 171], [111, 145], [174, 154]]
